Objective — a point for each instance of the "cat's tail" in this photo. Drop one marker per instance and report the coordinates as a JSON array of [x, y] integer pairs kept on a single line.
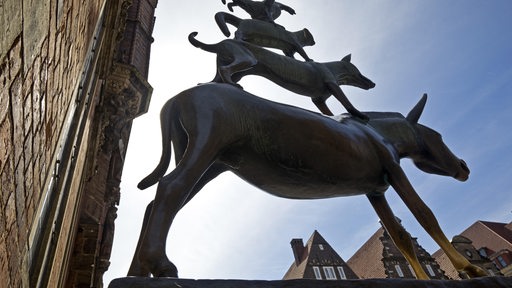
[[222, 18], [199, 44]]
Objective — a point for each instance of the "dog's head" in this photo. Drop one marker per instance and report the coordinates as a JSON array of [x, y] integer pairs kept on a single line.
[[348, 74], [308, 39]]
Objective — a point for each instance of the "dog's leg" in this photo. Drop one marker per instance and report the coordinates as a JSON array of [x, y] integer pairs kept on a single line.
[[302, 53], [320, 104], [338, 93], [241, 63]]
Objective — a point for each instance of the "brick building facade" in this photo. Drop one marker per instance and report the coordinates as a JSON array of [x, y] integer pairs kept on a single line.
[[73, 75], [484, 243], [465, 247], [380, 258]]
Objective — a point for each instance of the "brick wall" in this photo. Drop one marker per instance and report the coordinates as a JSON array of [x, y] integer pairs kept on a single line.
[[367, 261], [44, 48]]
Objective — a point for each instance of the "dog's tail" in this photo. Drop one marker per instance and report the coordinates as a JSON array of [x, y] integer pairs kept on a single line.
[[199, 44], [166, 123], [222, 18]]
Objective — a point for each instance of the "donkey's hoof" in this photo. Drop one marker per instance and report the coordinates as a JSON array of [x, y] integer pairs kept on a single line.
[[138, 271], [474, 271], [165, 270]]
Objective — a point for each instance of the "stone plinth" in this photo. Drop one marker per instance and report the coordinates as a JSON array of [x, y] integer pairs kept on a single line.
[[139, 282]]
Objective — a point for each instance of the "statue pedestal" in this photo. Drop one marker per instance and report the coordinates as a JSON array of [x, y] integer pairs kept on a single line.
[[140, 282]]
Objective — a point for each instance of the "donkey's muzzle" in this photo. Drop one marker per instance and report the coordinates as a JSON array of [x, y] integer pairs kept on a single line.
[[463, 173]]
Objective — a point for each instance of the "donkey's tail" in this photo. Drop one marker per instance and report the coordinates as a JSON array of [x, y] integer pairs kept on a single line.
[[222, 18], [165, 159], [199, 44]]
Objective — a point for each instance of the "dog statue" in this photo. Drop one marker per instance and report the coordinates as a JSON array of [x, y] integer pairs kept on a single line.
[[265, 34], [236, 59]]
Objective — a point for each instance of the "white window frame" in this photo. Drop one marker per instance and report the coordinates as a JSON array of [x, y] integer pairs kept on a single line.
[[342, 272], [321, 247], [329, 273], [502, 261], [430, 270], [316, 270], [399, 271], [412, 271]]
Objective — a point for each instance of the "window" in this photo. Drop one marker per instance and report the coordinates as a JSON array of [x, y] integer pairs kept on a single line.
[[502, 262], [430, 271], [321, 246], [399, 271], [317, 273], [329, 273], [412, 271], [342, 273]]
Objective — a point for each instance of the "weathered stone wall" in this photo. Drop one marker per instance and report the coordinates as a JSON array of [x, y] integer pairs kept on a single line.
[[44, 46]]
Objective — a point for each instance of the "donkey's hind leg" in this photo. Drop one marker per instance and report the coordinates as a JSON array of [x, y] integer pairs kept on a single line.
[[136, 267], [396, 231], [174, 190]]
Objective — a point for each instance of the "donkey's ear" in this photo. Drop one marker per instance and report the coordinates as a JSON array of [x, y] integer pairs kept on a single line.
[[347, 58], [415, 113]]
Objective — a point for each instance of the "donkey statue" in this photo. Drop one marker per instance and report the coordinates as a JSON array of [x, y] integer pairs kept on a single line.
[[292, 153]]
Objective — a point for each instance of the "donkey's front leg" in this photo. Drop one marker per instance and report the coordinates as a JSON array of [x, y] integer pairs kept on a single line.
[[429, 222], [400, 237]]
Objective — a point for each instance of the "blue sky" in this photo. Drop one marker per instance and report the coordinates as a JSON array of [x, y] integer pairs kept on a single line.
[[458, 51]]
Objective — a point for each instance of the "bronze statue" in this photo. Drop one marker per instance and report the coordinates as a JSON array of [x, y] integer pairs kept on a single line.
[[236, 59], [293, 153], [266, 34], [266, 10]]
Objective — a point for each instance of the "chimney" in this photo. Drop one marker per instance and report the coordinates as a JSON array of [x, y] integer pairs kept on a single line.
[[298, 250]]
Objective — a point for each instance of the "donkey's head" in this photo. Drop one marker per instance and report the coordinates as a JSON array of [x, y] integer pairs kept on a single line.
[[348, 74], [434, 156]]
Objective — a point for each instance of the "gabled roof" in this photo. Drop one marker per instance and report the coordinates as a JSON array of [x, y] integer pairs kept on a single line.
[[502, 229], [379, 257], [367, 261], [493, 235], [316, 252]]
